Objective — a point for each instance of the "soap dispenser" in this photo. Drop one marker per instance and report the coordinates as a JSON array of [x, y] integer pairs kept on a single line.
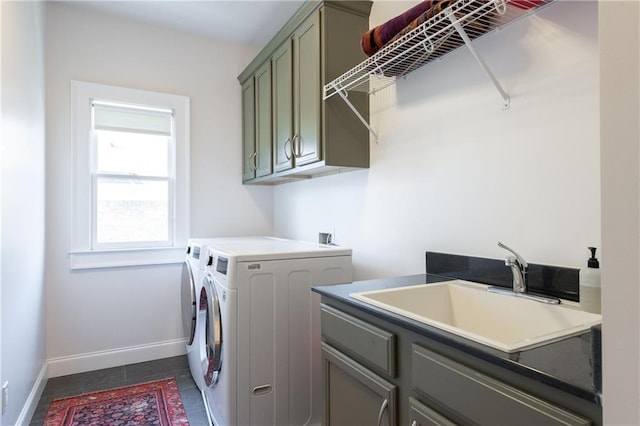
[[590, 293]]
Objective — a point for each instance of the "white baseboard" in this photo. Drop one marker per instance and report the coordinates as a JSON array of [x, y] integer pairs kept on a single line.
[[73, 364], [31, 404]]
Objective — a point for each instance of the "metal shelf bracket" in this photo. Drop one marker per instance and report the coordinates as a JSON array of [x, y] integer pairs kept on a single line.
[[478, 58], [345, 97], [429, 42]]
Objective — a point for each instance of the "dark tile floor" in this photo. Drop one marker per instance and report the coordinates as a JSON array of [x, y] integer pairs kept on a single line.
[[75, 384]]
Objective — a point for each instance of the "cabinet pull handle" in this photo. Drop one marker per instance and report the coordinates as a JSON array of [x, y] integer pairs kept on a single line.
[[296, 152], [383, 407], [300, 146], [252, 164], [288, 141], [255, 162]]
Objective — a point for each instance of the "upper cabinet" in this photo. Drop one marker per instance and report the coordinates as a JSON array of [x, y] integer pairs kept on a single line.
[[307, 97], [248, 130], [282, 68], [256, 125], [295, 134]]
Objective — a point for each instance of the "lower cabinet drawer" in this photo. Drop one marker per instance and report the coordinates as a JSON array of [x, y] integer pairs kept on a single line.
[[363, 341], [479, 398], [421, 415]]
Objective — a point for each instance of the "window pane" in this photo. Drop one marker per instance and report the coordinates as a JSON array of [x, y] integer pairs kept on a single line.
[[131, 210], [132, 153]]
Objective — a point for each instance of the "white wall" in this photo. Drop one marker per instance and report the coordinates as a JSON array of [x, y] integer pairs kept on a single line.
[[92, 314], [1, 186], [453, 172], [619, 24], [23, 207]]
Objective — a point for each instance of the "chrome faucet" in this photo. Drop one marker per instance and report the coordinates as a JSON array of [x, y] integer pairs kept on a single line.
[[519, 269]]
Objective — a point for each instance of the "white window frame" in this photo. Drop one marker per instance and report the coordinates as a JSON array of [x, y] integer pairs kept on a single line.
[[82, 255]]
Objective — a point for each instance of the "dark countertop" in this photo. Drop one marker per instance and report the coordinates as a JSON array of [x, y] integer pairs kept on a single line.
[[565, 365]]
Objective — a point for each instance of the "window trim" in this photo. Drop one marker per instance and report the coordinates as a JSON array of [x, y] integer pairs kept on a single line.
[[81, 254]]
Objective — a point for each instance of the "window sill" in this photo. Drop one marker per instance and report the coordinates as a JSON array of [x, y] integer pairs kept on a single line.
[[125, 258]]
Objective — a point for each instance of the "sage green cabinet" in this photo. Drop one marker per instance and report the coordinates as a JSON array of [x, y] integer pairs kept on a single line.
[[296, 98], [263, 121], [248, 130], [282, 82], [256, 125], [309, 136], [307, 92]]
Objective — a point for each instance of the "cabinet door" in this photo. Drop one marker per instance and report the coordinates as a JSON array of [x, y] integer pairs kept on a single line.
[[248, 130], [282, 108], [421, 415], [263, 120], [307, 91], [353, 394]]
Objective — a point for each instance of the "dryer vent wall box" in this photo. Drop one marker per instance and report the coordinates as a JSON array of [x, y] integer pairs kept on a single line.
[[259, 316]]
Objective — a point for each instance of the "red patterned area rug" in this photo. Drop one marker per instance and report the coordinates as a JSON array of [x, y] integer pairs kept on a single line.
[[152, 403]]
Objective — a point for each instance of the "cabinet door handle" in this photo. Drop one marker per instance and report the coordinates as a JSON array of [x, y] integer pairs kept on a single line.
[[297, 152], [383, 407], [288, 141], [252, 164], [255, 162], [300, 146]]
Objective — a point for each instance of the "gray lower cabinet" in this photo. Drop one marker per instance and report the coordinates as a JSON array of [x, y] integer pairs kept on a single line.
[[422, 415], [354, 395], [373, 346], [369, 362], [470, 395]]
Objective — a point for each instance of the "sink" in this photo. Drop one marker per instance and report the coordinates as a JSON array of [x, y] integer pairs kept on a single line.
[[509, 324]]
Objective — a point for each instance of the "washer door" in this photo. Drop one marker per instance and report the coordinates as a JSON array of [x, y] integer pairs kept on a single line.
[[188, 296], [213, 331]]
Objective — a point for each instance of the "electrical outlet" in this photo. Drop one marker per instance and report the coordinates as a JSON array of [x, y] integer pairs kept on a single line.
[[5, 396]]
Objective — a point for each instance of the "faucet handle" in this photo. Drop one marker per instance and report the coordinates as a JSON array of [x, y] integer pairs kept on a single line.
[[523, 263]]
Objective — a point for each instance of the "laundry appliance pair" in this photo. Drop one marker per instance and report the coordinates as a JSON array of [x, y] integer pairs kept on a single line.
[[253, 326]]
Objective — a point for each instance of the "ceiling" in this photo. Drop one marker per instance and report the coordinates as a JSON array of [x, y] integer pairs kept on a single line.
[[251, 22]]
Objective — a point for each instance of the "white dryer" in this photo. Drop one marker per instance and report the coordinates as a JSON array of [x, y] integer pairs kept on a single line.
[[262, 332]]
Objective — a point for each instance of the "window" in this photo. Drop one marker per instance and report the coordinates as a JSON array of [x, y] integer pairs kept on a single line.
[[130, 180], [133, 176]]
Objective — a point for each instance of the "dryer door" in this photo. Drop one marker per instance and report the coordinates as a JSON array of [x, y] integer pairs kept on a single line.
[[212, 366], [188, 297]]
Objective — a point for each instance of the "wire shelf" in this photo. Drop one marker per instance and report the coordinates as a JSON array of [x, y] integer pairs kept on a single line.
[[431, 40]]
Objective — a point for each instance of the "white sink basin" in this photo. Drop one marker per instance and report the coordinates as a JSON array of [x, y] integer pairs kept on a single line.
[[510, 324]]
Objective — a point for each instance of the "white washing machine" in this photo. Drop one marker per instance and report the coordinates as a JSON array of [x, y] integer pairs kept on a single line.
[[262, 331], [193, 270]]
